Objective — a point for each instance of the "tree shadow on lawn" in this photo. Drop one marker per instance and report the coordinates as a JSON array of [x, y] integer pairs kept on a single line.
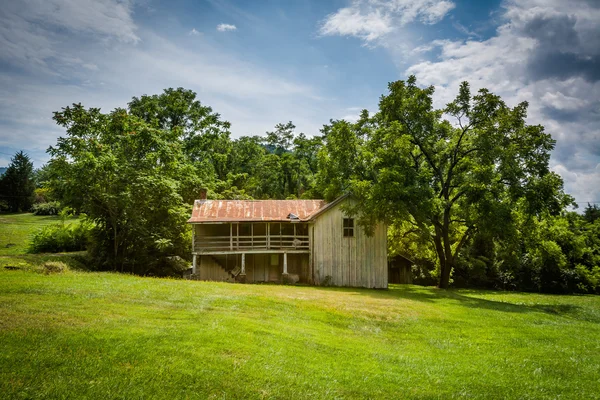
[[441, 296]]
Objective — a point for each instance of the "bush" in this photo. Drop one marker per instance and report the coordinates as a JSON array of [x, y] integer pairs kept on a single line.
[[51, 208], [173, 266], [588, 280], [59, 238], [424, 273], [53, 267]]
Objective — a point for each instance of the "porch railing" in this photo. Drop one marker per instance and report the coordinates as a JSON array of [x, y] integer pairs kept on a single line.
[[237, 243]]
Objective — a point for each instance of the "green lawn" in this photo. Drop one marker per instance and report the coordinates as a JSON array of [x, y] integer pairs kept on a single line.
[[16, 229], [103, 335]]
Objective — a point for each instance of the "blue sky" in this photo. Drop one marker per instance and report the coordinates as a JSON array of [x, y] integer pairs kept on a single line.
[[258, 63]]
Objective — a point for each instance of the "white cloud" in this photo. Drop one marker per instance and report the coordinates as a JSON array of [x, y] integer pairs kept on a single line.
[[108, 18], [194, 32], [352, 22], [371, 20], [584, 185], [434, 11], [35, 34], [561, 101], [531, 59], [207, 70], [57, 68], [92, 67], [226, 27]]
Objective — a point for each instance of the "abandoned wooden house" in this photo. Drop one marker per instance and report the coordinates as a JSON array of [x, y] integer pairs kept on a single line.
[[306, 241]]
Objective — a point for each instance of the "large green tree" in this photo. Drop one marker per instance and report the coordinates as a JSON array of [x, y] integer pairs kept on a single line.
[[279, 165], [280, 140], [131, 178], [448, 172], [17, 185], [339, 159], [204, 135]]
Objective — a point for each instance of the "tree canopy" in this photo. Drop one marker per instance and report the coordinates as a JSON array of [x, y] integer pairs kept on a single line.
[[449, 180], [131, 178], [466, 190], [17, 184]]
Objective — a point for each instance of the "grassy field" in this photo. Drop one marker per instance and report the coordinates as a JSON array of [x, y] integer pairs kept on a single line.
[[102, 335], [16, 229]]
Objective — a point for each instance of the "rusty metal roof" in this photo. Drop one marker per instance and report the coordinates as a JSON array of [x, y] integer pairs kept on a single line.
[[206, 211]]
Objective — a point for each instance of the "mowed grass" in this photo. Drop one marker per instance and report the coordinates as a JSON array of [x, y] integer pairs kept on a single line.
[[16, 230], [104, 335]]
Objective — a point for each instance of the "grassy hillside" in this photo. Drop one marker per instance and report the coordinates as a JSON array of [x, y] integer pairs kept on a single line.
[[16, 229], [100, 335], [103, 335]]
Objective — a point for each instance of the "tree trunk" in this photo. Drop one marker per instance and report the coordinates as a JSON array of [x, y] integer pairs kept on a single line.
[[445, 274], [450, 259], [115, 247], [441, 253]]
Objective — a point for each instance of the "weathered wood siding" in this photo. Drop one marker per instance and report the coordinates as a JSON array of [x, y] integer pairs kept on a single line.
[[269, 267], [210, 270], [400, 274], [259, 267], [399, 270], [359, 261]]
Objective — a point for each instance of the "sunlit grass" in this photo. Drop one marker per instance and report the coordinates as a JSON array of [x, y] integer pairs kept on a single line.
[[101, 335], [91, 335]]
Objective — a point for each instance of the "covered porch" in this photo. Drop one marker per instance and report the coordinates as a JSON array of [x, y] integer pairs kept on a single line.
[[253, 267], [221, 238]]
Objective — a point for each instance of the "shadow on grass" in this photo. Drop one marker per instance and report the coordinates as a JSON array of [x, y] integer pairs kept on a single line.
[[439, 296]]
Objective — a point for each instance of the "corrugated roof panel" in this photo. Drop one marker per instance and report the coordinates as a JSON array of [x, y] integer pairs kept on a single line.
[[253, 210]]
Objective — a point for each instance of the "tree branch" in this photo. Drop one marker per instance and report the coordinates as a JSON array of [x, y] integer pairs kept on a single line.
[[420, 145], [463, 240], [405, 234], [458, 196]]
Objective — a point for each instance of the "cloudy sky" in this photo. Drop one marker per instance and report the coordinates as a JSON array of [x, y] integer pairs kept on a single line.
[[263, 62]]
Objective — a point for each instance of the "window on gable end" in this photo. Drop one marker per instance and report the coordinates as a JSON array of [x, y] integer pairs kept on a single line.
[[348, 227]]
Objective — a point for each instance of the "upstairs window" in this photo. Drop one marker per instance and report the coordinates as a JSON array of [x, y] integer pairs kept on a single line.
[[348, 227]]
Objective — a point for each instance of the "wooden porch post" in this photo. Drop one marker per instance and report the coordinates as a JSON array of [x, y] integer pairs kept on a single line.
[[194, 264], [230, 236], [242, 275], [311, 272], [193, 238], [285, 264]]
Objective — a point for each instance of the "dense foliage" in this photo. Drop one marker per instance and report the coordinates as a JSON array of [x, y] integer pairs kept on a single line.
[[466, 190], [49, 208], [61, 237], [136, 172], [468, 184], [559, 254], [130, 178]]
